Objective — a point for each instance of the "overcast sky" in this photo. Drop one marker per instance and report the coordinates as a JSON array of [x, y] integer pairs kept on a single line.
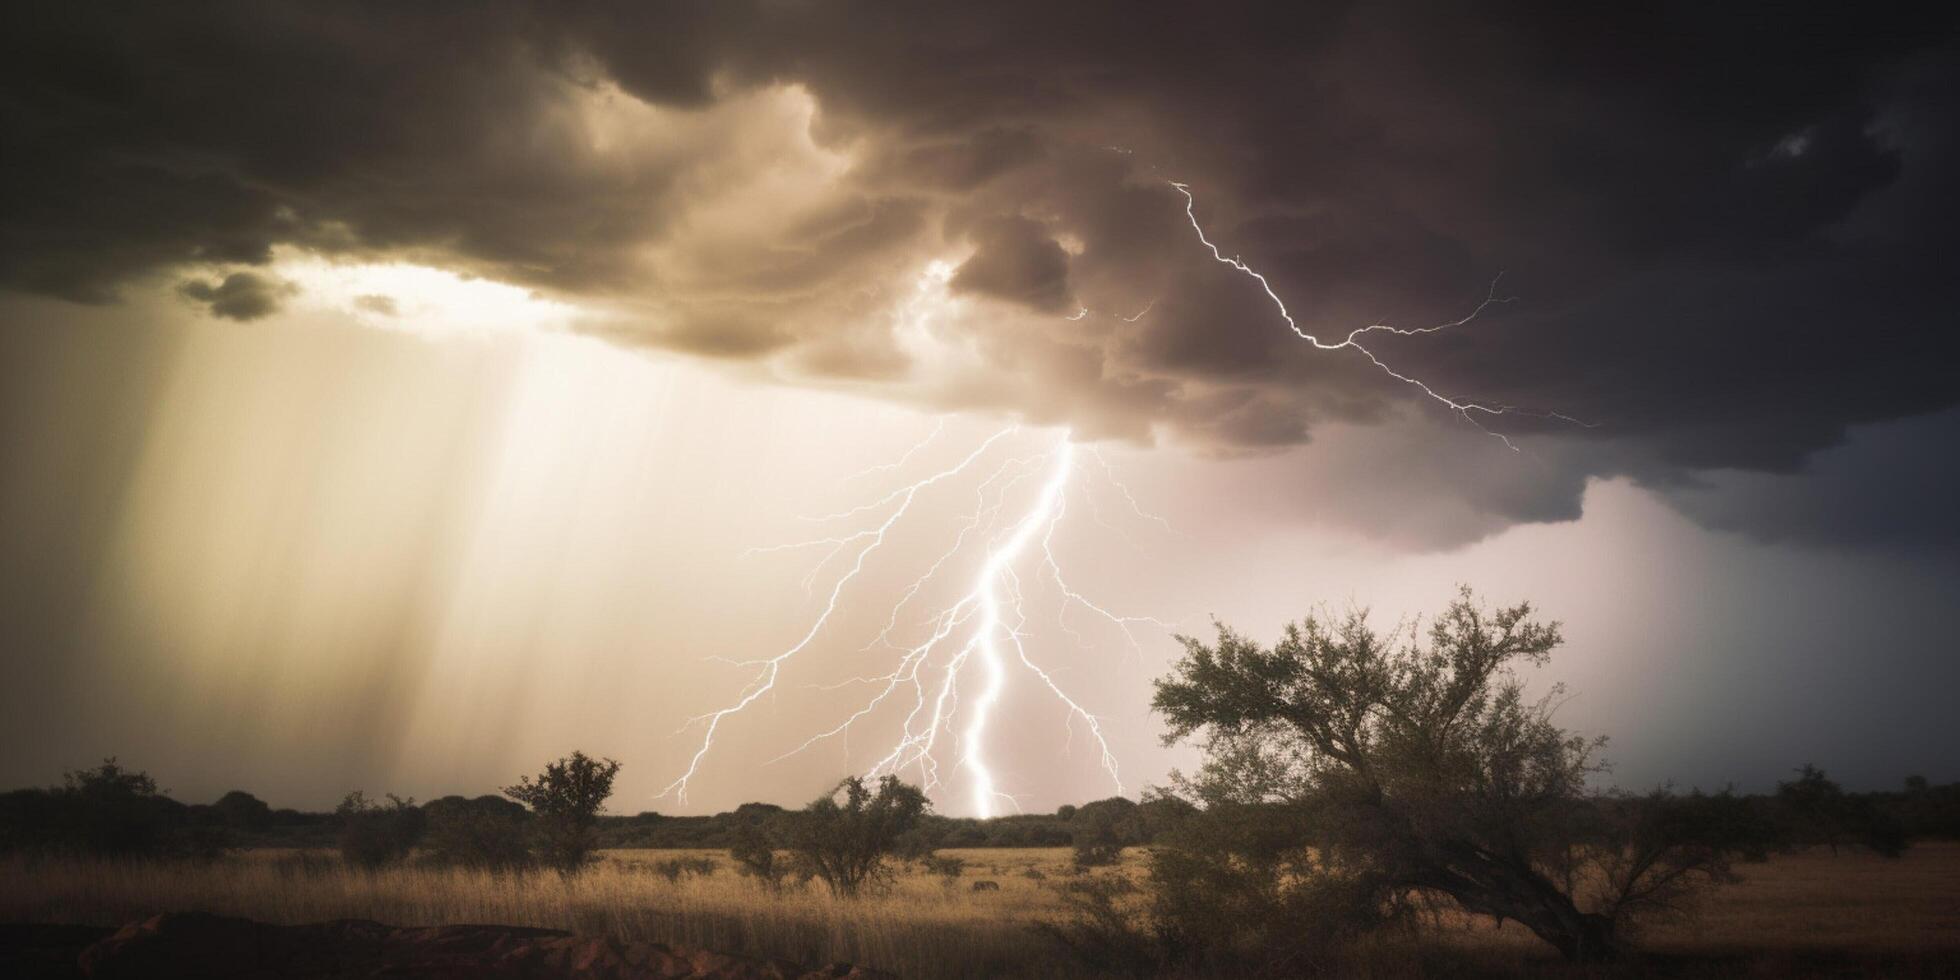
[[394, 396]]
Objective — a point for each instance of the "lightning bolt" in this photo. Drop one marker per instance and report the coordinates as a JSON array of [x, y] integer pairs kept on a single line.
[[974, 643], [771, 669], [1466, 410]]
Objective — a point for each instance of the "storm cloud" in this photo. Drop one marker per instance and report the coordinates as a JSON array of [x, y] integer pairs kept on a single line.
[[241, 296], [1729, 231]]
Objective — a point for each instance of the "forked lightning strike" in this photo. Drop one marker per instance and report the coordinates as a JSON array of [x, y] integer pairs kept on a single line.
[[983, 630], [986, 623], [769, 670]]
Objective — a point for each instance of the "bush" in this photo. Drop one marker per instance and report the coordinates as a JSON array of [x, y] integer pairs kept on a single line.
[[1814, 809], [488, 832], [754, 853], [374, 834], [112, 810], [945, 866], [566, 799], [242, 811], [674, 869], [1095, 833], [847, 844], [1104, 932], [30, 820]]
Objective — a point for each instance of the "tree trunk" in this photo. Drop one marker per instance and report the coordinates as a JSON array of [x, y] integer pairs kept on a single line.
[[1486, 884], [1586, 939], [1582, 937]]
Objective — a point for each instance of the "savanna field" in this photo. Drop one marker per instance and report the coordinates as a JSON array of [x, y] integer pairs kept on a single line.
[[1809, 913]]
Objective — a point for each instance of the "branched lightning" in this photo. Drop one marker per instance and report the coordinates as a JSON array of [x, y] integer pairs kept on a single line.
[[771, 669], [1462, 408], [972, 645], [951, 664]]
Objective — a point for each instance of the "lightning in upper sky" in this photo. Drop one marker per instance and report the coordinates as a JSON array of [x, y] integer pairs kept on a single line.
[[1462, 408], [938, 700]]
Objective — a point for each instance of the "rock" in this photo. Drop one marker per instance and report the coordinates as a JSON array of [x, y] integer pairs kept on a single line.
[[195, 944]]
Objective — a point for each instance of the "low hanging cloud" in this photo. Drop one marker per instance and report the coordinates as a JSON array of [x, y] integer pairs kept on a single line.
[[1728, 236], [241, 296]]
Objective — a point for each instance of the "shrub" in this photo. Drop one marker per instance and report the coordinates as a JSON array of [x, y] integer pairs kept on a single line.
[[113, 810], [1096, 838], [755, 855], [488, 832], [566, 799], [1104, 932], [847, 844], [1814, 809], [945, 866], [240, 810], [674, 869], [374, 834]]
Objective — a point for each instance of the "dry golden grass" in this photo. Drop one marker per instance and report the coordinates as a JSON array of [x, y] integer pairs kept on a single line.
[[1815, 908]]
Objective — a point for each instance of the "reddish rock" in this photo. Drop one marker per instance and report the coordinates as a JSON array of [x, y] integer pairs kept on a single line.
[[185, 945]]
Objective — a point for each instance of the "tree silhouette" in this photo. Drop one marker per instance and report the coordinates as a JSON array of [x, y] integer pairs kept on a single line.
[[566, 799], [1347, 770], [847, 844]]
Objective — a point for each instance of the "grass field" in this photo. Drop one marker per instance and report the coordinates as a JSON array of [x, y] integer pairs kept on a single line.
[[1812, 913]]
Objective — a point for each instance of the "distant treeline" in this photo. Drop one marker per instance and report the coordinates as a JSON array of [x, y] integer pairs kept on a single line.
[[1133, 823], [117, 811]]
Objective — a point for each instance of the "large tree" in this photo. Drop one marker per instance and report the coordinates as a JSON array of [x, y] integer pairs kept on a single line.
[[1349, 772]]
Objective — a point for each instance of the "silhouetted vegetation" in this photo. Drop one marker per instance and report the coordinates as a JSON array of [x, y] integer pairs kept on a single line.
[[1816, 810], [487, 832], [756, 856], [1352, 784], [944, 865], [848, 844], [374, 834], [243, 812], [674, 869], [116, 810], [40, 820], [1100, 829], [1350, 775], [565, 800], [109, 810]]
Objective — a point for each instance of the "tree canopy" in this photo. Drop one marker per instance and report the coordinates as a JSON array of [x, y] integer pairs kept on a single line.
[[1345, 762]]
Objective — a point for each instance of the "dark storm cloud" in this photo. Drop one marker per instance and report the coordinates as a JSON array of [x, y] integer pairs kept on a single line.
[[1891, 484], [1017, 261], [241, 296], [1730, 228]]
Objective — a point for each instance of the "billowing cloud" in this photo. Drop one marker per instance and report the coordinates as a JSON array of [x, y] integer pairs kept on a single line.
[[1015, 260], [1729, 236]]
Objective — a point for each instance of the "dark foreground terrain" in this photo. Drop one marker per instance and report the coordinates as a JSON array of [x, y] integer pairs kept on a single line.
[[1806, 914], [202, 945]]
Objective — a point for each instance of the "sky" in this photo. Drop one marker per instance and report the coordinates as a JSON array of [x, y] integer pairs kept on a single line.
[[397, 397]]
